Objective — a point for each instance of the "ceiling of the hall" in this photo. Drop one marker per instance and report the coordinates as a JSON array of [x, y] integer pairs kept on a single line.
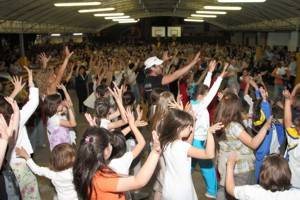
[[272, 14]]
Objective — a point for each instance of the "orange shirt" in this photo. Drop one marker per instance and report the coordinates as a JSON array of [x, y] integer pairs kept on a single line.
[[104, 186]]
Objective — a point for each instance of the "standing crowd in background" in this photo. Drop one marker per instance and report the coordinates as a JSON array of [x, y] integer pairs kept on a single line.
[[232, 110]]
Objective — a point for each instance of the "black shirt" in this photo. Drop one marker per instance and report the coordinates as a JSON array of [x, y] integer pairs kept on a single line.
[[153, 82]]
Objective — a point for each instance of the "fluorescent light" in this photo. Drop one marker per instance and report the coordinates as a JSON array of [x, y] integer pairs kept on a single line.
[[222, 7], [119, 20], [117, 17], [55, 34], [241, 1], [211, 12], [108, 14], [128, 21], [94, 3], [77, 34], [204, 16], [194, 20], [95, 10]]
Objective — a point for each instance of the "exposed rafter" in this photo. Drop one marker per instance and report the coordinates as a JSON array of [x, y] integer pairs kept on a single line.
[[36, 14]]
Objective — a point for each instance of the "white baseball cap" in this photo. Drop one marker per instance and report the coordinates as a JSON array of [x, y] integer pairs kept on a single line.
[[152, 61]]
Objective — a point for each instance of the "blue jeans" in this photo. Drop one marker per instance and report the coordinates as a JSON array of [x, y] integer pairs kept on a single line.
[[207, 169]]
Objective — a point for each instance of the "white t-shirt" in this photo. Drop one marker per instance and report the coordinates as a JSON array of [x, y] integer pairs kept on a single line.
[[104, 123], [256, 192], [178, 183], [62, 181], [25, 113], [121, 165]]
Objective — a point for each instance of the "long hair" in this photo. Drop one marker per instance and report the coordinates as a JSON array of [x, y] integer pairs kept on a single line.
[[5, 109], [229, 110], [90, 159], [52, 102], [172, 124], [161, 108]]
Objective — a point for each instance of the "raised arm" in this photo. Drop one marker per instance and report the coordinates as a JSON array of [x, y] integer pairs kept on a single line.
[[211, 67], [214, 89], [145, 173], [71, 122], [18, 86], [209, 152], [287, 109], [61, 70], [138, 135], [44, 60], [254, 142], [8, 131], [180, 72]]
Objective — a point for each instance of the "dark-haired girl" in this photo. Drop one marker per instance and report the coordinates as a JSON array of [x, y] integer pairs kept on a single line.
[[235, 138], [94, 179], [274, 181], [58, 124], [175, 130]]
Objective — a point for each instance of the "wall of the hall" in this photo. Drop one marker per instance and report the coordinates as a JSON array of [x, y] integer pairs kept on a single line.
[[272, 39]]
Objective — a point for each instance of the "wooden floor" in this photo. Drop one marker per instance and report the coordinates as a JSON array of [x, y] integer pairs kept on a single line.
[[41, 156]]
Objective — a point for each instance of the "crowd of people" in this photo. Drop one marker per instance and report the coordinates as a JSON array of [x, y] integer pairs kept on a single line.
[[233, 110]]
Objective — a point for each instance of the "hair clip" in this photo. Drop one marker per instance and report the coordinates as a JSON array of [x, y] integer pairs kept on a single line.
[[88, 139]]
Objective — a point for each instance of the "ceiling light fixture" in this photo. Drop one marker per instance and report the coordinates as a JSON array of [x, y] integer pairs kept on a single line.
[[241, 1], [222, 7], [211, 12], [70, 4], [120, 20], [77, 34], [193, 20], [118, 17], [96, 10], [55, 34], [204, 16], [108, 14], [128, 21]]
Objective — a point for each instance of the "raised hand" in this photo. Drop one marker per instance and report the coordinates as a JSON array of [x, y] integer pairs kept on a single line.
[[215, 127], [91, 121], [224, 72], [197, 58], [286, 94], [7, 131], [212, 65], [30, 77], [18, 86], [130, 116], [166, 56], [67, 52], [44, 59], [176, 105]]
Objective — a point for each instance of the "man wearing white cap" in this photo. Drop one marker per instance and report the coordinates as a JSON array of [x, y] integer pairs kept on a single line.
[[155, 77]]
